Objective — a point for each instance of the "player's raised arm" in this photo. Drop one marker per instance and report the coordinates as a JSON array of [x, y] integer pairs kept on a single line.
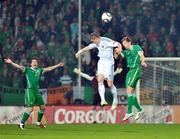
[[84, 75], [53, 67], [87, 48], [9, 61], [141, 54]]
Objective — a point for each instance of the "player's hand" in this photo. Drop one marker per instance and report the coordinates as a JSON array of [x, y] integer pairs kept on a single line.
[[77, 54], [144, 64], [61, 64], [118, 70], [8, 60]]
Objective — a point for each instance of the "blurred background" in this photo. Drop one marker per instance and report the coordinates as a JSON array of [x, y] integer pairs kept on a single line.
[[48, 30]]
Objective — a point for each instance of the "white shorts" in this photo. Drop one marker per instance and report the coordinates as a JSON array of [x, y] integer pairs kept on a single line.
[[106, 68]]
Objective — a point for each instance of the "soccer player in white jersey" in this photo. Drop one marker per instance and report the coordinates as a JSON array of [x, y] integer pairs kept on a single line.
[[105, 67]]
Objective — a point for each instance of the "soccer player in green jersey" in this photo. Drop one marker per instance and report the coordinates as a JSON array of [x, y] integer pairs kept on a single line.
[[135, 59], [33, 96]]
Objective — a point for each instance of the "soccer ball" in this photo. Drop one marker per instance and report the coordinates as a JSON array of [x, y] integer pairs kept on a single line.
[[106, 17]]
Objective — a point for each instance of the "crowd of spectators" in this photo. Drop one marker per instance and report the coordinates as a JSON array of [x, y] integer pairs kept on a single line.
[[44, 29], [49, 30]]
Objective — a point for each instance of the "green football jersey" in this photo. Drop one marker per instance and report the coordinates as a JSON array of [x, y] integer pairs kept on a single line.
[[132, 56], [33, 77]]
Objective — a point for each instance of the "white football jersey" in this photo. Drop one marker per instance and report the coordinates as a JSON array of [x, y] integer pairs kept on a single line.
[[105, 48]]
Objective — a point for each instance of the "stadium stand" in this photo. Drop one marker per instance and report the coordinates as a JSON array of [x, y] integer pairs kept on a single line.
[[35, 28]]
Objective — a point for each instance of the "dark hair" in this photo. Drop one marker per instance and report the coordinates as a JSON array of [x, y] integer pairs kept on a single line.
[[126, 38], [34, 58], [95, 34]]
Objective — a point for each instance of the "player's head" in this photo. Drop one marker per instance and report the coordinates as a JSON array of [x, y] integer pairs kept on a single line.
[[126, 42], [34, 62], [95, 38]]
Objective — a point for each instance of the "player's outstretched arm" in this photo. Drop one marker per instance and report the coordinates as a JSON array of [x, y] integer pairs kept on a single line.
[[84, 75], [141, 54], [82, 50], [53, 67], [9, 61]]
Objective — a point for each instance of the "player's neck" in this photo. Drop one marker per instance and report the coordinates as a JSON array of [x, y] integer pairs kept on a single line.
[[99, 41], [33, 68], [131, 47]]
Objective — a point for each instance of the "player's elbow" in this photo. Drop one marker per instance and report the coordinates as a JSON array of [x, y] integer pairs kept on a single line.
[[46, 70]]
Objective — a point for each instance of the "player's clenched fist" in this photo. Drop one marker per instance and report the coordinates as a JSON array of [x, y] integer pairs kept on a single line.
[[8, 60], [144, 64], [61, 64], [78, 53]]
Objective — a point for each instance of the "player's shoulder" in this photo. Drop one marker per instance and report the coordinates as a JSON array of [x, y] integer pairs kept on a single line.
[[92, 45], [136, 46], [27, 67], [106, 39], [39, 68], [125, 51]]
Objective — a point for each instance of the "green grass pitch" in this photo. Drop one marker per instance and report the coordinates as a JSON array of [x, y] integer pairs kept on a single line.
[[93, 131]]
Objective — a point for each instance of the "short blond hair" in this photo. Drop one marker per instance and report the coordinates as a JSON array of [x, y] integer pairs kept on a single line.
[[94, 35]]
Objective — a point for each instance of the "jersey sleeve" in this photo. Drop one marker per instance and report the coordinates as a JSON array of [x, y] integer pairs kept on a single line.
[[92, 45], [41, 70], [138, 48], [25, 69], [123, 53]]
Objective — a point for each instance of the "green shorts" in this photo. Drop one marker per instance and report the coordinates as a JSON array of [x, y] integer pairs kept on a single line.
[[133, 76], [33, 97]]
